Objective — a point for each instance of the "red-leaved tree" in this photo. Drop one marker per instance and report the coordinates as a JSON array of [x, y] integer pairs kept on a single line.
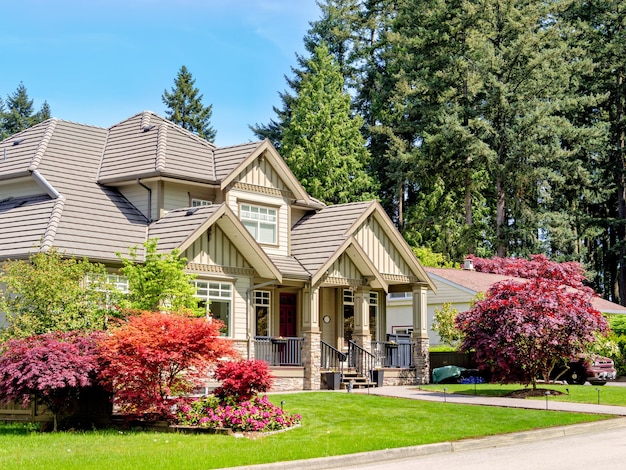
[[155, 357], [51, 368], [242, 380], [568, 273], [521, 330]]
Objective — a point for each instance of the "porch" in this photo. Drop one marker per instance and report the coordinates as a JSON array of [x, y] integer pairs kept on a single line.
[[385, 363]]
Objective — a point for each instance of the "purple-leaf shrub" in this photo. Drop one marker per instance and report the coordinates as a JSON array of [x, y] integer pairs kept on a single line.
[[51, 367]]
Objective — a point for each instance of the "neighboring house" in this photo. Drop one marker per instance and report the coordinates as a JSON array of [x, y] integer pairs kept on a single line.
[[295, 282], [458, 287]]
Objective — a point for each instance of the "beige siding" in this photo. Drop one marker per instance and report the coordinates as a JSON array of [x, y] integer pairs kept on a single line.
[[344, 268], [235, 197], [22, 188], [261, 173], [216, 250], [176, 196], [239, 308], [138, 196], [380, 249]]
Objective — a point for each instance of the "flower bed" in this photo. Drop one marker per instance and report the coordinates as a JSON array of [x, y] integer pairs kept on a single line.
[[256, 415]]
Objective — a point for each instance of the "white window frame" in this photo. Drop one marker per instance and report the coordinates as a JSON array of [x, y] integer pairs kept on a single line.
[[212, 292], [262, 299], [200, 202], [258, 219]]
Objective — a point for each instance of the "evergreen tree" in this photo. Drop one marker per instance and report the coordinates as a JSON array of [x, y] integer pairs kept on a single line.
[[185, 107], [16, 113], [337, 28], [323, 145]]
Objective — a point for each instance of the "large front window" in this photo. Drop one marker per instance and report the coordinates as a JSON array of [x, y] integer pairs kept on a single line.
[[348, 316], [217, 298], [261, 222]]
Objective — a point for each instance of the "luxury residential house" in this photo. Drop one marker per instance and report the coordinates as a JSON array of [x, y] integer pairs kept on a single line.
[[458, 287], [297, 283]]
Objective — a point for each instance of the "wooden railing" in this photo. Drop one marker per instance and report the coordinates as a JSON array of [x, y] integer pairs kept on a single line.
[[362, 360], [332, 358], [278, 351]]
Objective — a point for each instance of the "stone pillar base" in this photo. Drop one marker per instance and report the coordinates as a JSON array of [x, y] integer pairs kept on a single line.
[[421, 359], [312, 360], [363, 340]]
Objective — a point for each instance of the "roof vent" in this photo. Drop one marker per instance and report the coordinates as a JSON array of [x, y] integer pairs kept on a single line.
[[18, 141], [148, 128], [192, 211], [468, 265]]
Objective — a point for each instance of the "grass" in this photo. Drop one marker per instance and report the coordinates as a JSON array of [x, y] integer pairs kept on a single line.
[[333, 424], [571, 393]]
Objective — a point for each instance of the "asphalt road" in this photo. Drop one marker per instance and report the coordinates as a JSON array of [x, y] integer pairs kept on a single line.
[[602, 449]]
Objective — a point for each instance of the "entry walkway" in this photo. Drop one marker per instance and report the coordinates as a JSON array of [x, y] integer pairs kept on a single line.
[[414, 392]]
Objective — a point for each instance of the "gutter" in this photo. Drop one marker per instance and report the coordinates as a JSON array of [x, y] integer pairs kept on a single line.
[[149, 199], [41, 181]]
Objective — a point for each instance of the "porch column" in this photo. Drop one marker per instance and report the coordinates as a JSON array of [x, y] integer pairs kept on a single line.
[[361, 334], [419, 336], [312, 347]]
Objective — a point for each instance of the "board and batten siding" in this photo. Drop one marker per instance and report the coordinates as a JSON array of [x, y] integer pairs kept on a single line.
[[215, 249], [239, 308], [344, 268], [236, 197], [380, 249], [261, 173]]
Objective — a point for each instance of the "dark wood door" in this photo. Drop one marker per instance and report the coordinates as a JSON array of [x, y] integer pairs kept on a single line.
[[287, 327]]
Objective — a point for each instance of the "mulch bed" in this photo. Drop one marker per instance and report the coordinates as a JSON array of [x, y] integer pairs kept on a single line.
[[529, 392]]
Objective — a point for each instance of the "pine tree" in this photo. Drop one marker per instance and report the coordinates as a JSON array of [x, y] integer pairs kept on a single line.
[[16, 113], [185, 107], [323, 145]]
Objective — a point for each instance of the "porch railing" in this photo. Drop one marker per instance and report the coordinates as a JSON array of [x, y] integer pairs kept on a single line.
[[332, 358], [362, 360], [392, 354], [278, 351]]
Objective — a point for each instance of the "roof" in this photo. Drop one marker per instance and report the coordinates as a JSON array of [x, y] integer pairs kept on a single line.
[[476, 281], [313, 250]]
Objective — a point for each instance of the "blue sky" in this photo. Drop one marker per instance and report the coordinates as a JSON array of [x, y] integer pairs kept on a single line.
[[99, 62]]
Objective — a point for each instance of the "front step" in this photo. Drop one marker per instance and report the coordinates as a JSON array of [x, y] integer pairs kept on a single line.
[[357, 381]]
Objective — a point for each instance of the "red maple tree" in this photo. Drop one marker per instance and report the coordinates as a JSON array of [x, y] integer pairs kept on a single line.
[[242, 380], [521, 330], [568, 273], [154, 358], [51, 368]]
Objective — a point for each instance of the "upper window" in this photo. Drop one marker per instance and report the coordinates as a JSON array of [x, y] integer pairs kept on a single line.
[[217, 298], [200, 203], [261, 222]]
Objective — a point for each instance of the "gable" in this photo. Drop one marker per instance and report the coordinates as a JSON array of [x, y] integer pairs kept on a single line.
[[214, 251], [261, 176]]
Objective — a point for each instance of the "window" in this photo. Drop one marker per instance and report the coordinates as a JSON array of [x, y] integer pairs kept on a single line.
[[373, 313], [261, 302], [200, 203], [217, 298], [261, 222], [348, 316]]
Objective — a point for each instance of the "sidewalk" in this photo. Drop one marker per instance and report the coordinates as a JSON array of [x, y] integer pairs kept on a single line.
[[413, 392]]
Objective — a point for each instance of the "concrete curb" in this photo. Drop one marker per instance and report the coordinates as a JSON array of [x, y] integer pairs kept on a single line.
[[362, 458]]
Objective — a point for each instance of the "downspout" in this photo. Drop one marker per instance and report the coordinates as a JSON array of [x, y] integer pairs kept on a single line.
[[248, 332], [149, 198]]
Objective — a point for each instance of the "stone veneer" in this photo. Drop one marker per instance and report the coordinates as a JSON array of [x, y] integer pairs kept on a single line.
[[311, 360], [421, 361]]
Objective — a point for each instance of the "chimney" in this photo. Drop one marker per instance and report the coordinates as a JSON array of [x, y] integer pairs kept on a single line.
[[468, 265]]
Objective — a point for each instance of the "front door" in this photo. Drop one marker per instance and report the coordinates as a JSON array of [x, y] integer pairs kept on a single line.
[[287, 326]]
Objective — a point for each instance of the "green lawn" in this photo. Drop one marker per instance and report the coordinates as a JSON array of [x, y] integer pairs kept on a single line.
[[608, 395], [333, 424]]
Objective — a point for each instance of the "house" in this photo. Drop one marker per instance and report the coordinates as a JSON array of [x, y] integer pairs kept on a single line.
[[297, 283], [458, 287]]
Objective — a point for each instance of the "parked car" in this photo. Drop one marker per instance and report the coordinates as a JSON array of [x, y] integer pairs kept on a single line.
[[597, 370]]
